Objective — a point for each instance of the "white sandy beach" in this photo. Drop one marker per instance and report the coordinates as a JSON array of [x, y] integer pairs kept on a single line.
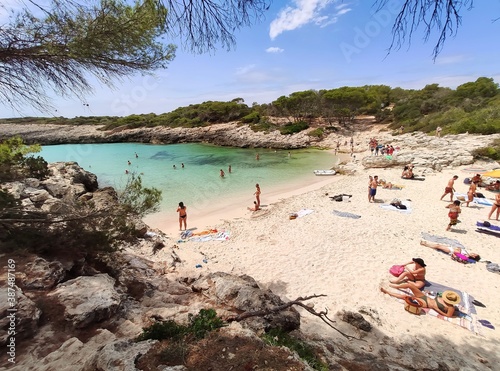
[[348, 259]]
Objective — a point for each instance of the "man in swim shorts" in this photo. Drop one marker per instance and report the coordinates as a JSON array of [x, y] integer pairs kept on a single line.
[[449, 188], [373, 188]]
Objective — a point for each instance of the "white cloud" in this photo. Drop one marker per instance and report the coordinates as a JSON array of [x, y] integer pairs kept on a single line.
[[304, 12], [253, 75], [450, 59], [274, 49]]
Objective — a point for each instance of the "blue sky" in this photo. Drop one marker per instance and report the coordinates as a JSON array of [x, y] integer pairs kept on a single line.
[[301, 45]]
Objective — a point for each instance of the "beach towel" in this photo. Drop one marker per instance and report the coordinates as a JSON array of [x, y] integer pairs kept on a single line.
[[303, 212], [490, 229], [476, 200], [219, 236], [394, 208], [444, 240], [465, 314], [345, 214]]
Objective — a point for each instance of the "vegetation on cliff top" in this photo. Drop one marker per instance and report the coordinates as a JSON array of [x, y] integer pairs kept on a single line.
[[472, 107]]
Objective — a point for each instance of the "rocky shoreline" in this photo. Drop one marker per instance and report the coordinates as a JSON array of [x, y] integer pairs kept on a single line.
[[427, 152]]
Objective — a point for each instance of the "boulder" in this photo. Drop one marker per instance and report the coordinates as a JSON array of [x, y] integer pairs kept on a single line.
[[120, 355], [40, 274], [88, 299], [356, 319], [24, 320], [244, 294]]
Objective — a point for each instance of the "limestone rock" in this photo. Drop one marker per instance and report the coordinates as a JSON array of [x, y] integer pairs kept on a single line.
[[120, 355], [88, 299], [40, 274], [25, 316], [356, 320], [244, 294]]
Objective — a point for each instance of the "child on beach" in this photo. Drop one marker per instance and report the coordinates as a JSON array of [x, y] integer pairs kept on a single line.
[[453, 213]]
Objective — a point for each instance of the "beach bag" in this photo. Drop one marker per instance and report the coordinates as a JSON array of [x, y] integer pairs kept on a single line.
[[412, 305], [396, 270]]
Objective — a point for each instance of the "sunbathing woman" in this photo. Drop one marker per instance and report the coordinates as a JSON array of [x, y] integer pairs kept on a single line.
[[415, 277], [444, 303], [456, 253]]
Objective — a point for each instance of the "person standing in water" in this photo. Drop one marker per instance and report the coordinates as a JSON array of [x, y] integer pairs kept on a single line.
[[222, 173], [182, 210], [229, 169]]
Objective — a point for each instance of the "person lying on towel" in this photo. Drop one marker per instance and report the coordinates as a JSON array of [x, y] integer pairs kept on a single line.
[[444, 303], [456, 253]]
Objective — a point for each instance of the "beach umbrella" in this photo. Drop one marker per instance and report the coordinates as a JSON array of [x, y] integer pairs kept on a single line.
[[493, 173]]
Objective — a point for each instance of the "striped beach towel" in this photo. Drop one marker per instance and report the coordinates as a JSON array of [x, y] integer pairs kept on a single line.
[[345, 214]]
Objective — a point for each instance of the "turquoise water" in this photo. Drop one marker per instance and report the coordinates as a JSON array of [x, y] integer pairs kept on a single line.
[[199, 182]]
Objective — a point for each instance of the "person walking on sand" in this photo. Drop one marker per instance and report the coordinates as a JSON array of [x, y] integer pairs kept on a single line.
[[222, 174], [449, 188], [496, 206], [257, 195], [182, 210], [373, 188], [453, 213], [471, 192]]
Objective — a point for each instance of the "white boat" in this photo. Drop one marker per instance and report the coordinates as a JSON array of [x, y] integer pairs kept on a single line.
[[324, 172]]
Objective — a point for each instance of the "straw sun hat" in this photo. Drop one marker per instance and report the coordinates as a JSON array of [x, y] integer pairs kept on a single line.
[[451, 297]]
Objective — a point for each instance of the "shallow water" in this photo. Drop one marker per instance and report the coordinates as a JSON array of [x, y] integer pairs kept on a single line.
[[199, 182]]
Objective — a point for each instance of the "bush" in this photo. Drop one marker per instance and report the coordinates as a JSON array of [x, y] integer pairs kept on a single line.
[[278, 337], [252, 118], [292, 128], [198, 326], [492, 152], [316, 133]]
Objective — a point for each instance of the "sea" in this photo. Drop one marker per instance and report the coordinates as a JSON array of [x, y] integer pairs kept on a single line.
[[191, 172]]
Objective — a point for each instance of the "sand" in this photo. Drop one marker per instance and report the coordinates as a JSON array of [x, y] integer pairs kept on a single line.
[[348, 259]]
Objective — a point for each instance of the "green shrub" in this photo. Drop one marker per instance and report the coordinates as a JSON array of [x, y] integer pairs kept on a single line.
[[292, 128], [252, 118], [492, 152], [263, 125], [36, 167], [316, 133], [278, 337], [198, 326], [205, 321], [163, 330]]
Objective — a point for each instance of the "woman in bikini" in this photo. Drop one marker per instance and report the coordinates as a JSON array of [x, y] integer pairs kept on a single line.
[[182, 215], [414, 277], [257, 195], [444, 303], [452, 251], [496, 206]]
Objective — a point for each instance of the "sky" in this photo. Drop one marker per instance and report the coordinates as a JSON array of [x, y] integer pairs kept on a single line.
[[301, 45]]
